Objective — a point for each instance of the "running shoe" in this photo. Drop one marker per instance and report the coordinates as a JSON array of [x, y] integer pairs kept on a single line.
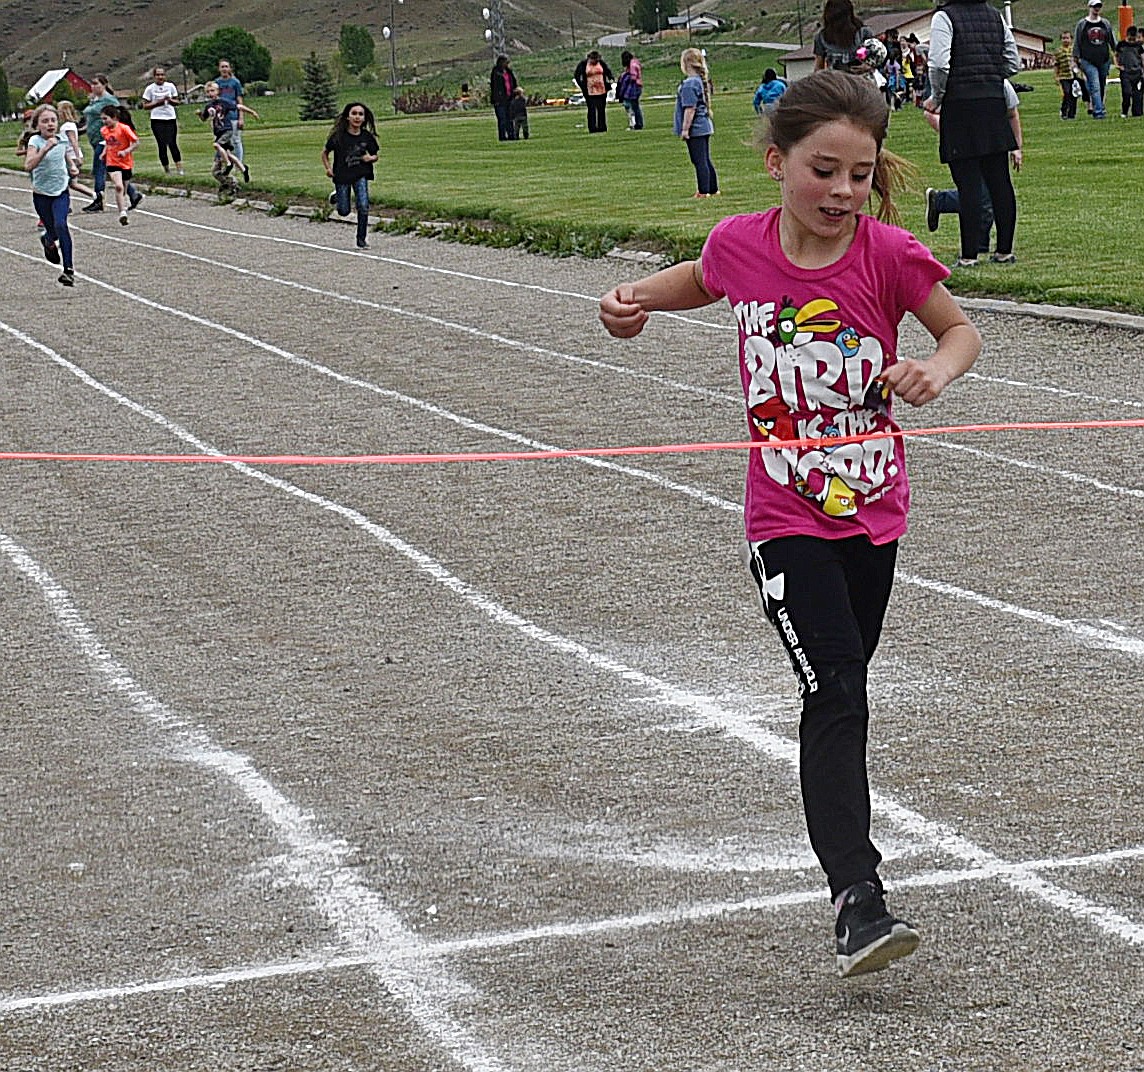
[[868, 938], [123, 218], [135, 199], [67, 277], [51, 250]]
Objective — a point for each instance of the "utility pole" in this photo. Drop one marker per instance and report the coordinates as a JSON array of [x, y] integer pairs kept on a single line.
[[494, 34]]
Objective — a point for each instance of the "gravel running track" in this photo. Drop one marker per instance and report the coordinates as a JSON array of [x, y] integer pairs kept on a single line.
[[490, 766]]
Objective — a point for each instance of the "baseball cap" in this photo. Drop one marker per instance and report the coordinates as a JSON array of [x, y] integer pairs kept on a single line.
[[1094, 3]]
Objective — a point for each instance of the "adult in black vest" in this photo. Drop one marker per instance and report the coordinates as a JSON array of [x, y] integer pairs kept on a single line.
[[972, 52]]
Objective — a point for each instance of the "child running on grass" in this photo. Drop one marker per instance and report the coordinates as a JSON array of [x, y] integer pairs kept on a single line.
[[352, 144], [46, 159], [221, 111], [818, 289], [119, 141]]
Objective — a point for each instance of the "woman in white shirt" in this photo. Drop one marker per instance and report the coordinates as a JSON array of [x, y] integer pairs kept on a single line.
[[160, 98]]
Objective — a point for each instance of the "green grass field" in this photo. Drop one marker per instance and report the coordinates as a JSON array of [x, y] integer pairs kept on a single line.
[[565, 190]]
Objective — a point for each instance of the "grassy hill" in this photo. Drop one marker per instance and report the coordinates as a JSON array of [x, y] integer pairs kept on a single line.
[[436, 39]]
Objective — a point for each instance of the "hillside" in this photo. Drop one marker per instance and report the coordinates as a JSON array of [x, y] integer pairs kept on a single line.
[[126, 37]]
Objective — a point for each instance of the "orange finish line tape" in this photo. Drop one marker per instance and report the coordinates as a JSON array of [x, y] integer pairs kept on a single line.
[[545, 455]]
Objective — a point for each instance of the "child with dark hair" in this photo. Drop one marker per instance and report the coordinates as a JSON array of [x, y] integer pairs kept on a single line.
[[350, 152], [819, 288], [119, 141], [518, 114]]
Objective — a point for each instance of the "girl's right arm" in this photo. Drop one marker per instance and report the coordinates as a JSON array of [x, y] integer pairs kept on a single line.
[[624, 310]]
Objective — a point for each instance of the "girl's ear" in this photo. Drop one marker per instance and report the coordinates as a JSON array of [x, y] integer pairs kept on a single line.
[[774, 159]]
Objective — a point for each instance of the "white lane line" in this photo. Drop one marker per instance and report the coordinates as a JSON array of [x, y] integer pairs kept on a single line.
[[1107, 639], [501, 340], [315, 861], [450, 947], [693, 708]]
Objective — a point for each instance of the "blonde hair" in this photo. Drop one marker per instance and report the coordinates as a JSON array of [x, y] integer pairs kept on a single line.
[[35, 120], [693, 62], [822, 98], [67, 112]]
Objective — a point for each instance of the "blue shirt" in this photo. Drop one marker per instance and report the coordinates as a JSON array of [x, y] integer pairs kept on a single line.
[[230, 89], [691, 95], [50, 176]]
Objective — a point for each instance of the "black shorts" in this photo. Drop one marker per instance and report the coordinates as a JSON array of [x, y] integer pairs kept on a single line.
[[126, 172]]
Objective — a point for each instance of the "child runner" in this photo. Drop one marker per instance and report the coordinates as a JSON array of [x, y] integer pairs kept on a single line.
[[221, 112], [818, 289], [69, 128], [119, 141], [353, 145], [46, 159]]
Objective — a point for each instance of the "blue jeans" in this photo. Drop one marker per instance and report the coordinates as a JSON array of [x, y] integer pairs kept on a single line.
[[635, 113], [699, 149], [236, 141], [949, 204], [360, 188], [53, 213], [1096, 75]]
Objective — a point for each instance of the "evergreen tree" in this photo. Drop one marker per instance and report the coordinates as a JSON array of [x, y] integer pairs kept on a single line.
[[644, 12], [5, 97], [319, 97], [356, 47]]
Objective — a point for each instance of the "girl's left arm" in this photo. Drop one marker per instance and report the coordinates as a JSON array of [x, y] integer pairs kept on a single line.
[[958, 344]]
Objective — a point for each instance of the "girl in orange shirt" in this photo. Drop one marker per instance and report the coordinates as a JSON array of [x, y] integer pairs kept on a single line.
[[119, 139]]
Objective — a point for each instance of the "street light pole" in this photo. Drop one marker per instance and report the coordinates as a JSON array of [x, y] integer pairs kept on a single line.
[[494, 32], [390, 34]]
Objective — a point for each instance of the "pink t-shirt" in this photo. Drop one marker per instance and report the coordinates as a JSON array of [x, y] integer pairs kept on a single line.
[[812, 344]]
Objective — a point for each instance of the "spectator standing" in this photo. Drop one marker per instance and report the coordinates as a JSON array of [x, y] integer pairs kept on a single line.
[[230, 88], [946, 202], [1067, 72], [1093, 44], [159, 100], [630, 89], [693, 119], [842, 34], [972, 52], [518, 113], [1128, 59], [770, 89], [594, 78], [502, 82]]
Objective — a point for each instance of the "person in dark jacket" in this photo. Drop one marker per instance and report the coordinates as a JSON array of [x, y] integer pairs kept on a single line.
[[967, 88], [1093, 45], [594, 79], [502, 82]]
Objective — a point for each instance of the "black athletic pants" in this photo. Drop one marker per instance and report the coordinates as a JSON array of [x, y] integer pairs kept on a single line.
[[166, 133], [827, 599]]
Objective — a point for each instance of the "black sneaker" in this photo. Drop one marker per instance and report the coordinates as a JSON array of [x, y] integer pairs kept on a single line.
[[95, 206], [135, 199], [333, 198], [933, 217], [245, 173], [51, 250], [67, 277], [868, 937]]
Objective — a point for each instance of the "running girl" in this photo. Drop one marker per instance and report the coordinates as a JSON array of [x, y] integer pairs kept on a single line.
[[46, 159], [119, 141], [69, 128], [353, 145], [818, 289]]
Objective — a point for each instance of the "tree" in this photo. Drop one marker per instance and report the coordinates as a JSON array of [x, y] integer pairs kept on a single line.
[[319, 98], [250, 60], [356, 47], [644, 13], [286, 75], [5, 96]]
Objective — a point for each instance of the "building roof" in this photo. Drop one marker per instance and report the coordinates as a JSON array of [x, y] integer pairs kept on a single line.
[[45, 84]]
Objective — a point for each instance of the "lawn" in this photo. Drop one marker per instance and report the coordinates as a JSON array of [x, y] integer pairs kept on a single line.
[[567, 190]]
